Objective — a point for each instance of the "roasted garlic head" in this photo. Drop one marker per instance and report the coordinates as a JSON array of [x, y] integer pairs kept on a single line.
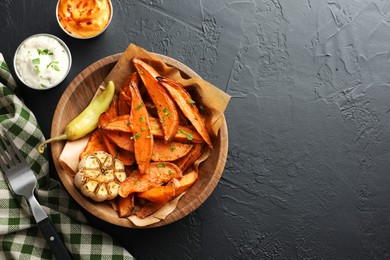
[[99, 176]]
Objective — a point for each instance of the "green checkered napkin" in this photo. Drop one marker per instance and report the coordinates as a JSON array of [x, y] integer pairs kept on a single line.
[[20, 237]]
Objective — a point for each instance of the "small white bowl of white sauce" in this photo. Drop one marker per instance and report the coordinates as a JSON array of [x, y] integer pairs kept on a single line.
[[42, 61]]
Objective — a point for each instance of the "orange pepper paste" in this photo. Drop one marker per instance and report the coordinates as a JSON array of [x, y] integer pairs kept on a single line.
[[84, 18]]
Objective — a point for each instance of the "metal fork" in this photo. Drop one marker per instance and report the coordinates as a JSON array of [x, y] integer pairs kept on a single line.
[[22, 181]]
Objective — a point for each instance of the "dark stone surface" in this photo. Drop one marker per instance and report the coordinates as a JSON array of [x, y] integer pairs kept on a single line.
[[307, 175]]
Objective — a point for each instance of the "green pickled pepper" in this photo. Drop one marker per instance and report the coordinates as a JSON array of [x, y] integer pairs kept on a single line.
[[87, 120]]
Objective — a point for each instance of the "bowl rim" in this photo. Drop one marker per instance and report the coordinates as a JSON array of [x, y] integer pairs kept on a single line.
[[60, 42], [89, 37], [182, 210]]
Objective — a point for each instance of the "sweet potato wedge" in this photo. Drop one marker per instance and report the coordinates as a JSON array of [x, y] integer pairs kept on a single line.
[[113, 108], [186, 182], [125, 156], [95, 143], [186, 161], [170, 151], [119, 123], [125, 206], [126, 86], [104, 119], [158, 194], [184, 101], [142, 137], [121, 139], [184, 134], [148, 209], [166, 108], [124, 101], [157, 174], [179, 186], [112, 148]]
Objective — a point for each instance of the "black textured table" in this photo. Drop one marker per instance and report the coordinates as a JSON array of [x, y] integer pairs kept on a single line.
[[307, 175]]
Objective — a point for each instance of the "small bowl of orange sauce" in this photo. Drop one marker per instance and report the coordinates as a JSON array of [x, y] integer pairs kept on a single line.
[[84, 19]]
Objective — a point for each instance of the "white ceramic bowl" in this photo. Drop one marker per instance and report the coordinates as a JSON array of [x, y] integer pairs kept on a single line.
[[87, 37], [42, 61]]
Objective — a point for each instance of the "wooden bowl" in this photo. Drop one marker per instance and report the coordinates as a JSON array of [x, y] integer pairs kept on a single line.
[[76, 97]]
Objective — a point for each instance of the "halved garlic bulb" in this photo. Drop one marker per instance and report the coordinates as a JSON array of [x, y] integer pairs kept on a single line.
[[99, 176]]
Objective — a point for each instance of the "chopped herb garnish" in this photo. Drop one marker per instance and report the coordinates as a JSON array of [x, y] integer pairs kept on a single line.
[[139, 106], [148, 136], [166, 112], [36, 67], [170, 172], [161, 165], [191, 101], [162, 120], [141, 119], [42, 85], [36, 61], [44, 52], [153, 106], [143, 128], [172, 147], [54, 65], [136, 136], [201, 107], [189, 135]]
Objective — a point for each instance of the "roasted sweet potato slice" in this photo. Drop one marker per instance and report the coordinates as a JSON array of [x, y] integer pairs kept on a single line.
[[125, 205], [184, 134], [119, 123], [158, 194], [179, 186], [166, 108], [186, 161], [113, 108], [123, 103], [126, 86], [170, 151], [157, 174], [95, 143], [148, 209], [104, 119], [125, 156], [121, 139], [139, 120], [112, 148], [186, 182], [184, 101]]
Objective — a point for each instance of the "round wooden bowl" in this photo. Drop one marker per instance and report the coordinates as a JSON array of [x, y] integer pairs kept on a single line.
[[77, 96]]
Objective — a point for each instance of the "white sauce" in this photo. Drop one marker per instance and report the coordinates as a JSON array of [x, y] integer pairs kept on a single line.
[[42, 62]]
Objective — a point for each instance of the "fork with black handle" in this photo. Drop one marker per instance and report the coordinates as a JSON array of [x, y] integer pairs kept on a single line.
[[22, 181]]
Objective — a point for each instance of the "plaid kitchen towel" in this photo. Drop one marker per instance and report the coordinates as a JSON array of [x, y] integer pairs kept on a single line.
[[20, 237]]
